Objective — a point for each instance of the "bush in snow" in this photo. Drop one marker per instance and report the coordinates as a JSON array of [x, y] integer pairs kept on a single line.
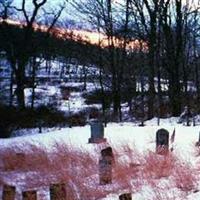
[[12, 119]]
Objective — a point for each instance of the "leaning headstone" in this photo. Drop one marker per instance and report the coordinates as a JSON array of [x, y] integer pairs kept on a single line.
[[162, 141], [29, 195], [126, 196], [58, 192], [105, 166], [97, 132], [9, 192]]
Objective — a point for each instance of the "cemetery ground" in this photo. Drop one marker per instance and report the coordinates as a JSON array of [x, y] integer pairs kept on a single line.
[[51, 157], [39, 162]]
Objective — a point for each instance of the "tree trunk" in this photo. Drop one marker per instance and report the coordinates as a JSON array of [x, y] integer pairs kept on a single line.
[[11, 87], [20, 81], [33, 82], [151, 91]]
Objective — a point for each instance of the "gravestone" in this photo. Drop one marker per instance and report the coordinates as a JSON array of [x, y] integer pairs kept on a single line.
[[105, 166], [9, 192], [107, 152], [126, 196], [29, 195], [162, 141], [58, 192], [97, 132]]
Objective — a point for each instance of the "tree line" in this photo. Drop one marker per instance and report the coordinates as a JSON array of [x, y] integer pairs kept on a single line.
[[170, 31], [149, 44]]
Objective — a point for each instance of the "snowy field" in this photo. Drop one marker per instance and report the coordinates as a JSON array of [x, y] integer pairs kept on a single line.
[[140, 140]]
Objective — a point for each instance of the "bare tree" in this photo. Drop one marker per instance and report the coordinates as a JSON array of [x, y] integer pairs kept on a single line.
[[102, 16], [20, 54]]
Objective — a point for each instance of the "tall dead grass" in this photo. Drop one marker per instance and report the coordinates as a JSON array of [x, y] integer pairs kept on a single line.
[[78, 169]]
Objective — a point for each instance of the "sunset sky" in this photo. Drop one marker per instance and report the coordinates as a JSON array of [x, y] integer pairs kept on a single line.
[[69, 13]]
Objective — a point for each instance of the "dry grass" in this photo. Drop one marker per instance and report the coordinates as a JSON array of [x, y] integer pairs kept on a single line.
[[64, 164], [157, 166], [35, 159], [79, 169], [185, 177], [126, 168]]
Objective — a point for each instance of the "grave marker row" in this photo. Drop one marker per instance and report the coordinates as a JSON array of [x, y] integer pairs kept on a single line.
[[97, 136], [57, 192], [9, 193]]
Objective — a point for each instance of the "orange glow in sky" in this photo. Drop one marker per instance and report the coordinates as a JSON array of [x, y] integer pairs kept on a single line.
[[91, 37]]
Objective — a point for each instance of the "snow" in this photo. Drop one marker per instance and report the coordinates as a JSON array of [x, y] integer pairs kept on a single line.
[[140, 138], [76, 103]]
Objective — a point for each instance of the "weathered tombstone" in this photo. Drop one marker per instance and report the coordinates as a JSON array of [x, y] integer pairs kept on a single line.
[[58, 192], [9, 192], [107, 152], [162, 141], [105, 166], [29, 195], [126, 196], [97, 132]]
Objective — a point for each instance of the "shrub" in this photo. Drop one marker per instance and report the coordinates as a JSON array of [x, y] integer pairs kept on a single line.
[[12, 119], [77, 119], [96, 98]]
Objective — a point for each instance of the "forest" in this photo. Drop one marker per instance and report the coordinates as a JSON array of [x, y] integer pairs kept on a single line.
[[149, 58]]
